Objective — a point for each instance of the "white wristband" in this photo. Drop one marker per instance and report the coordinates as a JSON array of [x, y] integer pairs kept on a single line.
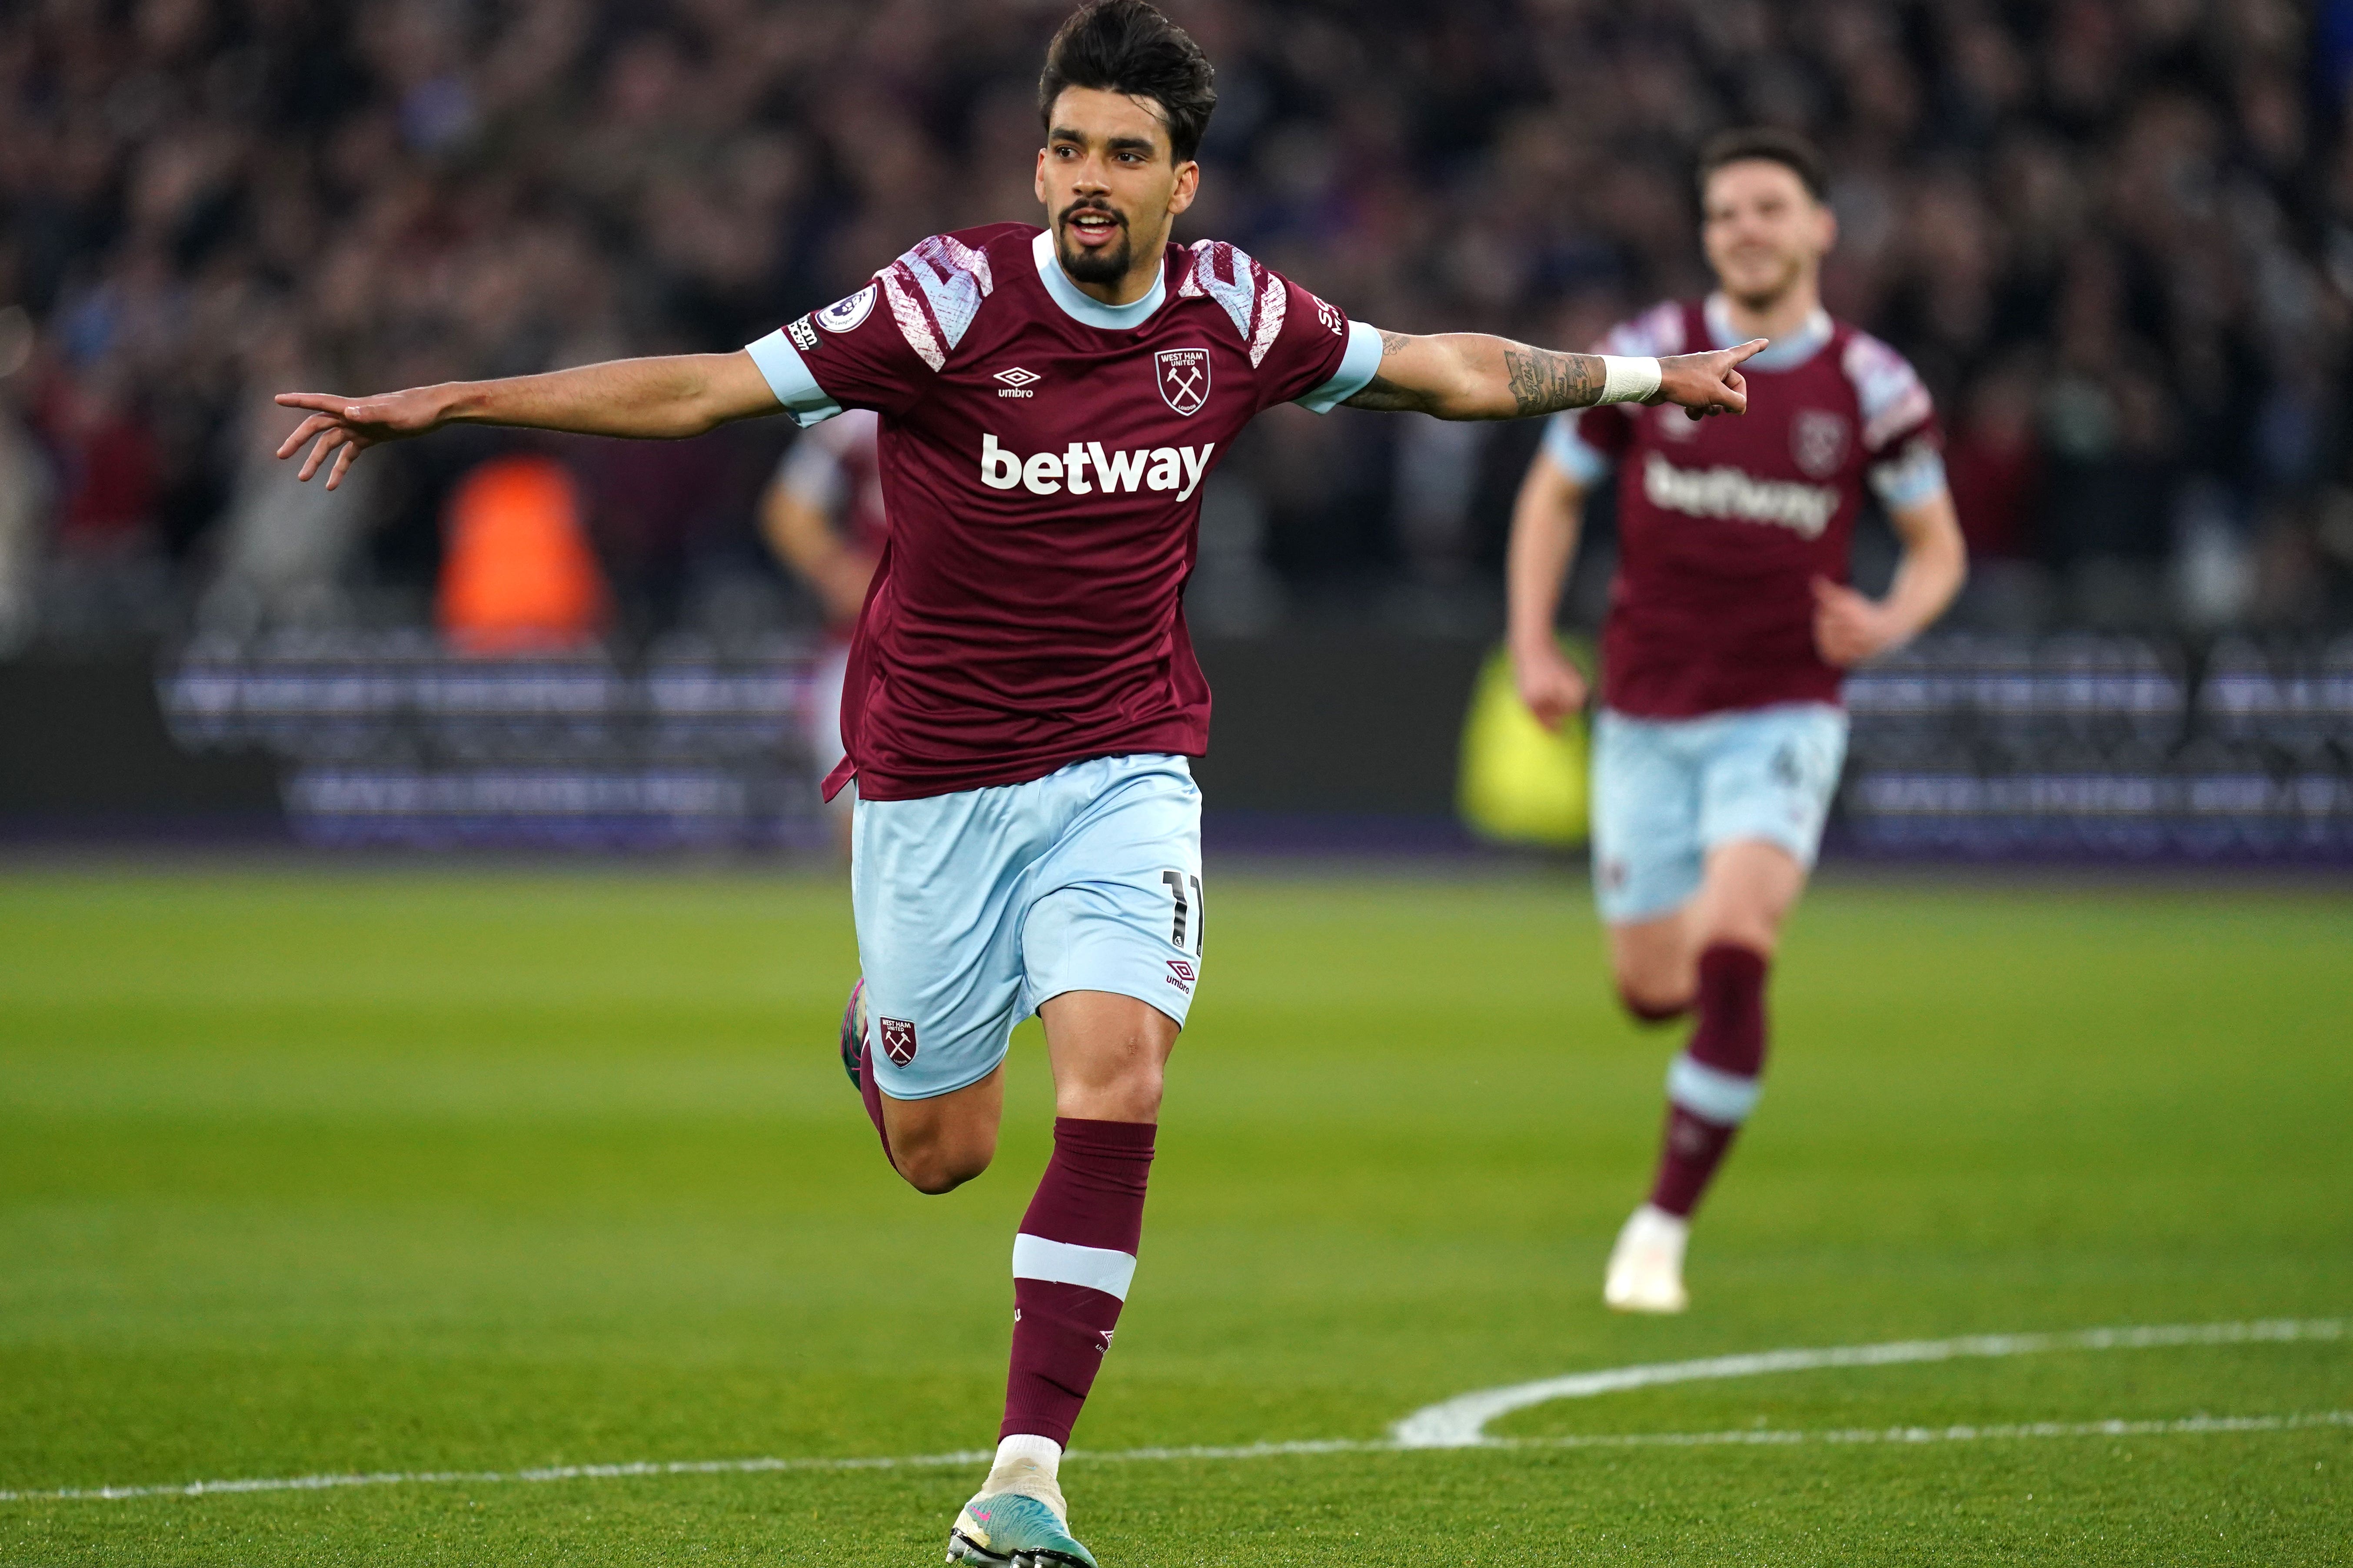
[[1628, 380]]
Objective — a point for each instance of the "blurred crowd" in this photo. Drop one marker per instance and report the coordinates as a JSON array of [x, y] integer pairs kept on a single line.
[[2115, 234]]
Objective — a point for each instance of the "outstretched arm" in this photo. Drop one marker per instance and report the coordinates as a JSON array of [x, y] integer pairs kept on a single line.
[[1469, 375], [680, 394]]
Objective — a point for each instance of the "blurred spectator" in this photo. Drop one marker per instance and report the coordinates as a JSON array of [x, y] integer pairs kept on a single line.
[[2117, 236]]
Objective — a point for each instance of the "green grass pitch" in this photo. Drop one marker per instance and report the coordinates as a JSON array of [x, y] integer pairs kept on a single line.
[[320, 1172]]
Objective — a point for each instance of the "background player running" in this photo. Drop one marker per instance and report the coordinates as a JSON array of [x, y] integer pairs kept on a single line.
[[1022, 694], [823, 516], [1720, 737]]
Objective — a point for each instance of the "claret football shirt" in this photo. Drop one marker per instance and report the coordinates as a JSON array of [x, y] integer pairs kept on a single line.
[[1723, 524], [1042, 455]]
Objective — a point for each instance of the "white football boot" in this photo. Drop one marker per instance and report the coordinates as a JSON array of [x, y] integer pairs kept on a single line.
[[1646, 1266]]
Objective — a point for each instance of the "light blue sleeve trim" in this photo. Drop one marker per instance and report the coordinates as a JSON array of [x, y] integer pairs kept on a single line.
[[1569, 453], [788, 377], [1356, 367], [1917, 476]]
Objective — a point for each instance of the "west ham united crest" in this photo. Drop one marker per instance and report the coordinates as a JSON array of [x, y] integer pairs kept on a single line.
[[898, 1038], [1818, 441], [1183, 378]]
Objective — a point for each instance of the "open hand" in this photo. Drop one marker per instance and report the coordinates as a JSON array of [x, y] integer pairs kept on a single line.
[[1850, 627], [1706, 384], [1552, 687], [346, 426]]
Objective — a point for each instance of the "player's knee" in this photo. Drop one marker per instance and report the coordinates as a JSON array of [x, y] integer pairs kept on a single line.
[[1130, 1094], [1651, 1004], [933, 1171], [1756, 928], [1655, 988], [944, 1159]]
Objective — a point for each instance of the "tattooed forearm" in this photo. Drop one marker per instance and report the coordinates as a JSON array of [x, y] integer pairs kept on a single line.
[[1543, 381], [1469, 376]]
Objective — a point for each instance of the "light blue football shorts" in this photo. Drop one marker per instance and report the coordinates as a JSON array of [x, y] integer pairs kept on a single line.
[[974, 908], [1667, 791]]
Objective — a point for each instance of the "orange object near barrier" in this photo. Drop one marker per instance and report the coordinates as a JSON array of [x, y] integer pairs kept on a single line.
[[517, 574]]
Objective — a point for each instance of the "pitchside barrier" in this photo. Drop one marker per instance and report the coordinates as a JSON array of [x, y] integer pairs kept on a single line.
[[2073, 746]]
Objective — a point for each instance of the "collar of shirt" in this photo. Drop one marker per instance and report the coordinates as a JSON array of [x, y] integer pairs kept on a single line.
[[1785, 353], [1081, 306]]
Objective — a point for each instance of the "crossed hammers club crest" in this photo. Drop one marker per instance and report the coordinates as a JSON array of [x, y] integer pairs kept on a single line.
[[1184, 376]]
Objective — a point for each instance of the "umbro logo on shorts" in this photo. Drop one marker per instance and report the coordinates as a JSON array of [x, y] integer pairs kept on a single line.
[[1182, 974], [898, 1038]]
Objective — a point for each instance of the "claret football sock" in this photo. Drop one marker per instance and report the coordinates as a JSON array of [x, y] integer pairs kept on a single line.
[[1071, 1264], [1713, 1086]]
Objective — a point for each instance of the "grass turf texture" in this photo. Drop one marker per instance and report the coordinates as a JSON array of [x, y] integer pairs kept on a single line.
[[326, 1172]]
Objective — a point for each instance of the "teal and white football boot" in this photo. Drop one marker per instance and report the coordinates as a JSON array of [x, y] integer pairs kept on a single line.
[[1013, 1530]]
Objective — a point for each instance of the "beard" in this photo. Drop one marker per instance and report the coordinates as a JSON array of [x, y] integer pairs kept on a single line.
[[1108, 265]]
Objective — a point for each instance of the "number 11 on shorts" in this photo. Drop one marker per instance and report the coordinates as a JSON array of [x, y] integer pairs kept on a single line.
[[1175, 881]]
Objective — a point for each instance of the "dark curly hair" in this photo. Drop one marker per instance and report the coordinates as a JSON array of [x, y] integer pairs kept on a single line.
[[1127, 47]]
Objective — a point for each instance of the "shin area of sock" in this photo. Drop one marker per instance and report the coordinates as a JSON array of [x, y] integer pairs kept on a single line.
[[1072, 1262], [1730, 1000], [1693, 1148]]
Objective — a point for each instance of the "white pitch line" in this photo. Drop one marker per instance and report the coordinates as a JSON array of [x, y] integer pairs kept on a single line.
[[1578, 1385], [1462, 1422]]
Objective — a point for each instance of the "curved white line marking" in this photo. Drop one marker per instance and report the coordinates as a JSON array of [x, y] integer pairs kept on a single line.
[[1462, 1422], [1416, 1430]]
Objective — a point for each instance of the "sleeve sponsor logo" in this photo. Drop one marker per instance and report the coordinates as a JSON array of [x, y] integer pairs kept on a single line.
[[1804, 509], [803, 334], [844, 315], [1177, 469], [1818, 441], [1183, 375], [898, 1038], [1334, 322]]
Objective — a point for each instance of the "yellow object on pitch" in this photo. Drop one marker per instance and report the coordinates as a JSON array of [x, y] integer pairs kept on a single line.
[[1521, 782]]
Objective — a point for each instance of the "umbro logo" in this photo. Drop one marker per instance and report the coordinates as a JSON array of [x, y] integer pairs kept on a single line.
[[1017, 382]]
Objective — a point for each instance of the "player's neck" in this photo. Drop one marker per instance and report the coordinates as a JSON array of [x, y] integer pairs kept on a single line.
[[1776, 316]]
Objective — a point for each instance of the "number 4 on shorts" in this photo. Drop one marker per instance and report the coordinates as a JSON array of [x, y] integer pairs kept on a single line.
[[1175, 881]]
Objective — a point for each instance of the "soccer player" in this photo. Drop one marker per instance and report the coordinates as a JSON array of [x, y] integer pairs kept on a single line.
[[824, 518], [1022, 695], [1720, 736]]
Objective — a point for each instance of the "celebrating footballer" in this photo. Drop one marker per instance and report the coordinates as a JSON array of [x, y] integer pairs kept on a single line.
[[1720, 736], [1021, 695]]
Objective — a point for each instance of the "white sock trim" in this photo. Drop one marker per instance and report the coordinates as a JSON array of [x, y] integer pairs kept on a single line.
[[1042, 1452], [1067, 1263]]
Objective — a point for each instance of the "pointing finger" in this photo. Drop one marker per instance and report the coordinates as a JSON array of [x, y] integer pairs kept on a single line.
[[325, 402]]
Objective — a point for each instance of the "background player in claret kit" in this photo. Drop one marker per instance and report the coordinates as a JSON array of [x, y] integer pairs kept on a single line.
[[1021, 693], [1720, 737], [823, 516]]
